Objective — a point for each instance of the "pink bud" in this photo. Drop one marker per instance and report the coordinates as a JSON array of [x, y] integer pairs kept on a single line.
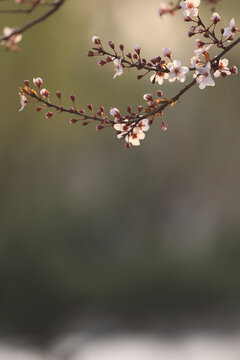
[[72, 97], [166, 52], [164, 126], [96, 40], [101, 62], [90, 107], [111, 44], [59, 94], [49, 114], [234, 70], [73, 121], [99, 127], [90, 53], [216, 18], [38, 82], [26, 82], [137, 48], [38, 108]]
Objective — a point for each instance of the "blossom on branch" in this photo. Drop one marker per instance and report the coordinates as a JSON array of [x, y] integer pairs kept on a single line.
[[11, 42], [177, 71], [190, 7], [222, 69], [231, 30], [117, 63], [203, 76]]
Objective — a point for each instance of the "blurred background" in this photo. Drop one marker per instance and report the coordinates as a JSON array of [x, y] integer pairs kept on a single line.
[[107, 253]]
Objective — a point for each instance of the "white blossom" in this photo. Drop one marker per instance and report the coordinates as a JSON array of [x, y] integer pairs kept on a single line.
[[117, 63], [195, 60], [177, 71], [12, 39], [159, 77], [203, 76], [222, 68], [163, 9], [231, 30], [23, 100], [190, 7], [135, 137]]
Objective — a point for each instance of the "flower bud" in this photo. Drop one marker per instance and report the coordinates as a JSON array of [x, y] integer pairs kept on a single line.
[[59, 94], [96, 40], [73, 121], [234, 70], [159, 93], [101, 62], [90, 53], [26, 82], [147, 97], [73, 97], [84, 123], [90, 107], [111, 44], [137, 48], [99, 127], [49, 114], [164, 126], [44, 93], [166, 52], [121, 47], [37, 82], [215, 18], [38, 108]]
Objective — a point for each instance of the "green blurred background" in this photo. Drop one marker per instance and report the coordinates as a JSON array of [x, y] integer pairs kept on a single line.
[[87, 227]]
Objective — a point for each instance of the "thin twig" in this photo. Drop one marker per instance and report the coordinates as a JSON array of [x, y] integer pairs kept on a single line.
[[34, 22], [138, 118]]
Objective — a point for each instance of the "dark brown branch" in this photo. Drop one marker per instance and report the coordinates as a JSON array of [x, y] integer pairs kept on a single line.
[[137, 119], [21, 11], [34, 22]]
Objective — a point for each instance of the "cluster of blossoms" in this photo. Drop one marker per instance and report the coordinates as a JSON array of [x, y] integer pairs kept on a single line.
[[133, 125]]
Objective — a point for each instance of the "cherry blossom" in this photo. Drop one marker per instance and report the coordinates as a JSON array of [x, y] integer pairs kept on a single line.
[[117, 63], [177, 71], [166, 52], [23, 101], [231, 30], [135, 137], [190, 7], [163, 9], [215, 18], [38, 81], [196, 60], [203, 76], [222, 69], [11, 42], [159, 77]]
